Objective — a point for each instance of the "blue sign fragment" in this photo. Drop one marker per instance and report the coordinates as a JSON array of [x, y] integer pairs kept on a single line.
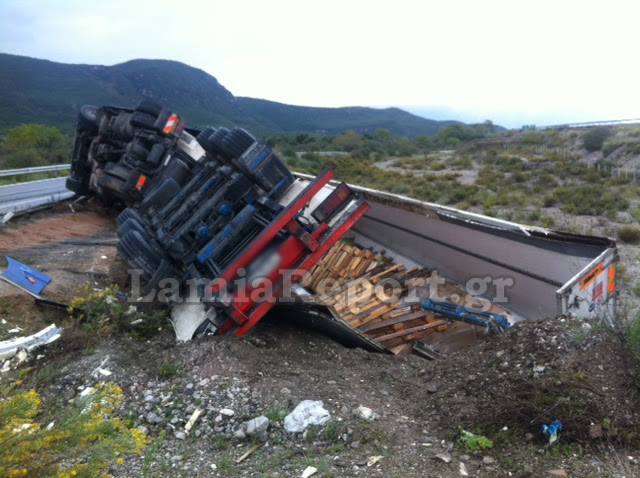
[[26, 277]]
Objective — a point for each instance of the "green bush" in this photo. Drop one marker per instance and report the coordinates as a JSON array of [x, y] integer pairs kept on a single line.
[[629, 234], [595, 137], [633, 337]]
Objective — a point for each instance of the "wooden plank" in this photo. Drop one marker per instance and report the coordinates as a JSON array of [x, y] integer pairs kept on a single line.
[[398, 320], [373, 315], [402, 349], [401, 333]]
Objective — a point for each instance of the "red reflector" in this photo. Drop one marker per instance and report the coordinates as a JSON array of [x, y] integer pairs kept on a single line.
[[141, 182]]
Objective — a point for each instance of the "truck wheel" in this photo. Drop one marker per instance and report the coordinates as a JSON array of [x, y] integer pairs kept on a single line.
[[89, 117], [132, 225], [149, 107], [203, 138], [139, 252], [143, 120], [237, 142], [128, 213], [215, 140]]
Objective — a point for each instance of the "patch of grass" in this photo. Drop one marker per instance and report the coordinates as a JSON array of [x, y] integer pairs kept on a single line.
[[168, 370], [472, 442], [277, 412], [148, 457], [629, 234], [226, 465]]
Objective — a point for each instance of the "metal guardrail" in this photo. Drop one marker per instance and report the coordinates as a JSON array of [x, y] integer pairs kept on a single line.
[[34, 170]]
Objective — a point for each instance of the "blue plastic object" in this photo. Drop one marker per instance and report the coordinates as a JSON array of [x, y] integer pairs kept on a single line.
[[26, 277], [470, 316], [552, 431]]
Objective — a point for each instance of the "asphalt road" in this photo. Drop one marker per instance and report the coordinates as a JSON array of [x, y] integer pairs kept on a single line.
[[25, 196]]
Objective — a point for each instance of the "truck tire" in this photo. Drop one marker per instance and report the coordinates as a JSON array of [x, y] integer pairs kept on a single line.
[[203, 139], [237, 142], [133, 225], [139, 252], [149, 107], [215, 140], [128, 213], [89, 118]]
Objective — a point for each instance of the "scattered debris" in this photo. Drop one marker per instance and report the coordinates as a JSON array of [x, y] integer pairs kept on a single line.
[[11, 347], [7, 217], [374, 459], [552, 431], [463, 469], [24, 276], [309, 471], [192, 420], [248, 453], [307, 412]]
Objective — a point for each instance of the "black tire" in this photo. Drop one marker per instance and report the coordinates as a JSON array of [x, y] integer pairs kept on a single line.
[[128, 213], [133, 225], [160, 195], [139, 252], [216, 139], [203, 138], [149, 107], [237, 142], [119, 171], [89, 118], [143, 120]]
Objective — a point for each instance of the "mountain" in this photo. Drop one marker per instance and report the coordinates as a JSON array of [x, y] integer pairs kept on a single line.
[[42, 91]]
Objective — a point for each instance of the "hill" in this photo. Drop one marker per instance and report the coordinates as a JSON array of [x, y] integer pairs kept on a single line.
[[42, 91]]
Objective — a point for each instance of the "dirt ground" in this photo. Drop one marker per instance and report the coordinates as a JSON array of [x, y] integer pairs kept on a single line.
[[504, 389]]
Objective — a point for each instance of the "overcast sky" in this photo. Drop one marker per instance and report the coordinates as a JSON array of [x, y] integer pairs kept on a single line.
[[514, 62]]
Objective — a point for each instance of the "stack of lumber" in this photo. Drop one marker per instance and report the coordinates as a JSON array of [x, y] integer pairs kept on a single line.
[[371, 293]]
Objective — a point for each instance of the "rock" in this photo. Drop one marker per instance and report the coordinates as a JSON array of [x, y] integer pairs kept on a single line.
[[257, 425], [176, 458], [558, 472], [153, 418], [366, 413], [227, 412], [180, 435], [444, 456], [487, 460], [463, 470], [432, 387], [595, 431], [527, 469], [240, 434]]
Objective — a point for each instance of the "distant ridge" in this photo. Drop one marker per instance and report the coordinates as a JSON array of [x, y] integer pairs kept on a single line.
[[42, 91]]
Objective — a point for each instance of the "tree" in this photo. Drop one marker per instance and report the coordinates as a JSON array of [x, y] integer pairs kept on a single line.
[[34, 145]]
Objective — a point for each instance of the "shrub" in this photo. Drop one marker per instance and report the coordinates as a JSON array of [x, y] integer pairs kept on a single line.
[[83, 441], [629, 234], [595, 137]]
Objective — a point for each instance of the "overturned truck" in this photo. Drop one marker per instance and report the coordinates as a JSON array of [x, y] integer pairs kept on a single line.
[[217, 212]]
